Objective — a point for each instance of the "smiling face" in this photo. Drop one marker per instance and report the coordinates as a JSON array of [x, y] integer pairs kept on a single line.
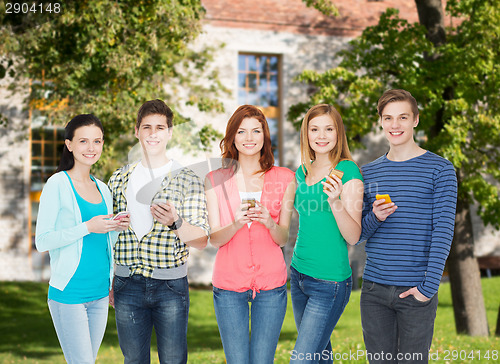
[[398, 122], [322, 134], [249, 138], [86, 145], [154, 134]]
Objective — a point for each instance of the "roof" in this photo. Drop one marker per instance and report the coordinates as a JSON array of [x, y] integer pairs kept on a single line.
[[294, 16]]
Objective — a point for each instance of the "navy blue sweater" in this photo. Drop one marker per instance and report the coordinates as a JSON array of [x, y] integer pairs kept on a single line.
[[411, 246]]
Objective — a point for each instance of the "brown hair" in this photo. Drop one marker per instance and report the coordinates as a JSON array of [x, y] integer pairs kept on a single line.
[[395, 96], [339, 152], [67, 159], [230, 153], [154, 107]]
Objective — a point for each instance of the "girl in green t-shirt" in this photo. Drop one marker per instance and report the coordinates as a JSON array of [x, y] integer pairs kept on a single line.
[[329, 204]]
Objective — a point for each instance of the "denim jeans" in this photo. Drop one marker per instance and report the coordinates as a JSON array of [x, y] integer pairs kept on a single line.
[[268, 310], [80, 328], [401, 328], [317, 306], [143, 303]]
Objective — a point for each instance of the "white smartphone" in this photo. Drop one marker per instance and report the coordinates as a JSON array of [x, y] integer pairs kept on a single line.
[[121, 215]]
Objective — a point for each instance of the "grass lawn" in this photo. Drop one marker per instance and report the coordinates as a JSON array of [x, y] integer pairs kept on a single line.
[[27, 334]]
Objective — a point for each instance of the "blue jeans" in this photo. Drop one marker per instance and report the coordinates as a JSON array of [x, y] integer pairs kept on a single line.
[[401, 328], [268, 310], [143, 303], [317, 306], [80, 328]]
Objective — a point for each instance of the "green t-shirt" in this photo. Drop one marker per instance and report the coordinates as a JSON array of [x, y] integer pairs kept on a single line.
[[320, 250]]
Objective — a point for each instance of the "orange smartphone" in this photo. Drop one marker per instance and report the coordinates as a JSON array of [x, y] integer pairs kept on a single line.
[[386, 197], [337, 173]]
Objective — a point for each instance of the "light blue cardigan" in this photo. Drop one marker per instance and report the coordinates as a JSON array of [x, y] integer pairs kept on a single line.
[[60, 230]]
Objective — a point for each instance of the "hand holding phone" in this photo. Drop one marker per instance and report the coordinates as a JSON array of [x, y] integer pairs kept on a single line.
[[383, 207]]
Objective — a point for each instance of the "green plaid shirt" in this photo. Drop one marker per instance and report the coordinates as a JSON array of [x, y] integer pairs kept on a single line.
[[160, 248]]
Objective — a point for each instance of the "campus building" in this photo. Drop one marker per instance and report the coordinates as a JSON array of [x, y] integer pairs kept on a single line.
[[264, 46]]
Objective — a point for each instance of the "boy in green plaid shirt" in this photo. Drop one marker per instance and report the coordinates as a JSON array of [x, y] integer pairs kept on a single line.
[[168, 214]]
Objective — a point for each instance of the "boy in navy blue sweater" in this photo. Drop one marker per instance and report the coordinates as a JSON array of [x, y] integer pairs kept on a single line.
[[407, 239]]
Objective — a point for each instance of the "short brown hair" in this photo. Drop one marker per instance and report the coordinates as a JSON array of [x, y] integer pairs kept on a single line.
[[154, 107], [339, 152], [396, 95], [230, 153]]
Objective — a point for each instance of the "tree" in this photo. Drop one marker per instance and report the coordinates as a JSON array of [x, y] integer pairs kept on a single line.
[[468, 302], [107, 58], [454, 73], [327, 7]]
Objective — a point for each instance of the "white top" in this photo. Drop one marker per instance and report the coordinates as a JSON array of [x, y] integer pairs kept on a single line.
[[247, 195], [143, 185]]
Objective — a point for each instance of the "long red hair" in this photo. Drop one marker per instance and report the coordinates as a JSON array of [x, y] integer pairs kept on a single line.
[[230, 154]]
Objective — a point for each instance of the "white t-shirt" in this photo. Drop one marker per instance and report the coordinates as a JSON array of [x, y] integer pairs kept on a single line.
[[143, 184], [249, 195]]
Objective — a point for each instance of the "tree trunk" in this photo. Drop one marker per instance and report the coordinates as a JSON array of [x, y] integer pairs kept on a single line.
[[465, 279], [431, 16]]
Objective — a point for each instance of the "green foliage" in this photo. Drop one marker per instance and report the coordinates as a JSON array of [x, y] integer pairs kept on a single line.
[[458, 90], [107, 58], [325, 6], [195, 141]]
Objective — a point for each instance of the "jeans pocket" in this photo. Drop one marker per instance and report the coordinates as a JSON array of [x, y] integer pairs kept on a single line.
[[322, 287], [367, 286], [119, 283], [178, 286], [325, 281], [281, 291], [418, 302], [217, 293]]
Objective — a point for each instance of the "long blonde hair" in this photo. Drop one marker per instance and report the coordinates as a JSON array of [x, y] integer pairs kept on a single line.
[[341, 150]]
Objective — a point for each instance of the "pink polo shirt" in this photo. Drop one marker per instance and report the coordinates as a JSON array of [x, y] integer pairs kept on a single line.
[[251, 260]]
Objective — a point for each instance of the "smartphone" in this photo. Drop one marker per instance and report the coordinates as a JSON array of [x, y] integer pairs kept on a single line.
[[250, 201], [385, 197], [121, 215], [158, 201], [337, 173]]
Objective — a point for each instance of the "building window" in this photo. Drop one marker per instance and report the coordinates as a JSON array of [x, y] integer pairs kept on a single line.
[[259, 85], [46, 148]]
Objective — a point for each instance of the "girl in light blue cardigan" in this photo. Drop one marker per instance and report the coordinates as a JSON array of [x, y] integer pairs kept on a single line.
[[74, 225]]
